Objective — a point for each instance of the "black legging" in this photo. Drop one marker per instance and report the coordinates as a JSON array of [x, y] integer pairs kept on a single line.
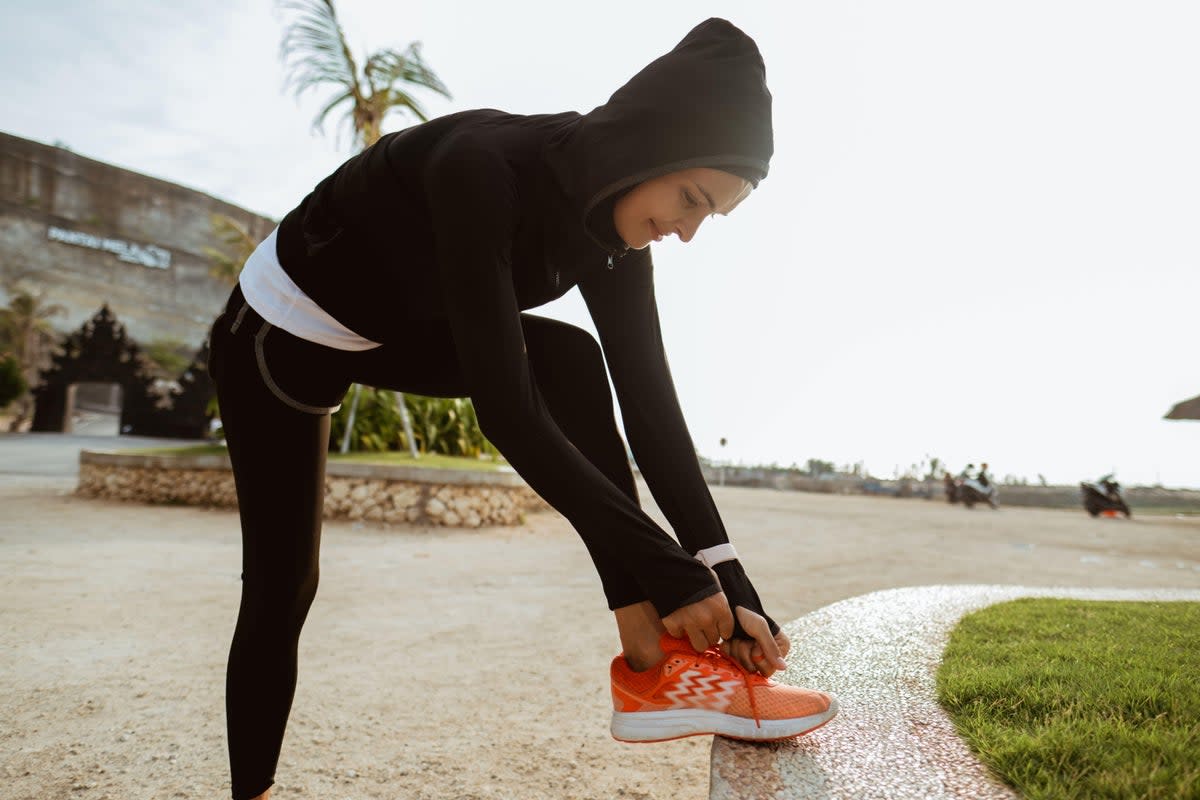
[[276, 392]]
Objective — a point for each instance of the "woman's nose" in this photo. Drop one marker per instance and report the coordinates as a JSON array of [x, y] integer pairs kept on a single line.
[[688, 228]]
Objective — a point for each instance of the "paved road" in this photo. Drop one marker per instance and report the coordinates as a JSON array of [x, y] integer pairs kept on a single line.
[[57, 454]]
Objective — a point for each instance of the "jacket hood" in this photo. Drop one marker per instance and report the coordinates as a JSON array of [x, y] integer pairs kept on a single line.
[[703, 104]]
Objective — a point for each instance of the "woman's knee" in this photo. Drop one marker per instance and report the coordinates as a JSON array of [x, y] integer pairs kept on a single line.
[[587, 353], [564, 352], [282, 593], [306, 586]]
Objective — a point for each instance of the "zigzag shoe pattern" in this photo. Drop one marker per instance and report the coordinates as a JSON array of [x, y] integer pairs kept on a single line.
[[696, 689]]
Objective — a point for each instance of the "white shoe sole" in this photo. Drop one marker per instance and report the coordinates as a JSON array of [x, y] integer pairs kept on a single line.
[[660, 726]]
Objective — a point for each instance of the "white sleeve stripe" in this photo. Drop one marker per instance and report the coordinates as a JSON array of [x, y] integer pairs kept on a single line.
[[711, 556]]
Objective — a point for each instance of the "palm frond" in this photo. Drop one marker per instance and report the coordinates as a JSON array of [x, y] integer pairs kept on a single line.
[[315, 53], [221, 266], [25, 324], [386, 67], [30, 307], [395, 98], [233, 233], [225, 264], [347, 118]]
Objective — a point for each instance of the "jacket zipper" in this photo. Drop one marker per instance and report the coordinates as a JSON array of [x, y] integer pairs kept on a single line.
[[619, 255]]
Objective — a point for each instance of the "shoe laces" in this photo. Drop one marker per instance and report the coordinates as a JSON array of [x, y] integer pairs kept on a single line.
[[717, 659]]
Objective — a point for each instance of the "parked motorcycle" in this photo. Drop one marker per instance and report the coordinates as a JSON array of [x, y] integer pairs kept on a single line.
[[971, 491], [1103, 495]]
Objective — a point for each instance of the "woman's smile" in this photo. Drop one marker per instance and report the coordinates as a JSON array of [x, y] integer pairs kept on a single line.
[[676, 203]]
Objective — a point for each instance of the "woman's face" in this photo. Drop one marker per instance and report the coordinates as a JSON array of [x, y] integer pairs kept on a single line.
[[676, 203]]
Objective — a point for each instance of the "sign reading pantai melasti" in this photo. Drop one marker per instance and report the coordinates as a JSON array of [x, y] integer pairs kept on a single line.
[[147, 255]]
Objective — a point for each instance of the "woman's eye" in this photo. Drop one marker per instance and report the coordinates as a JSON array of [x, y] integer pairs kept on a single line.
[[688, 199]]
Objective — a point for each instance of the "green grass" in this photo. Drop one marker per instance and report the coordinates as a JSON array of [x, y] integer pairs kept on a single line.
[[429, 460], [1080, 700], [189, 450]]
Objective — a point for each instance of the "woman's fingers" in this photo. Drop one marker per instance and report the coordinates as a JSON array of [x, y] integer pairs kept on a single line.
[[784, 643], [734, 650], [709, 623], [758, 629], [702, 623], [749, 656], [699, 638], [752, 658], [724, 619]]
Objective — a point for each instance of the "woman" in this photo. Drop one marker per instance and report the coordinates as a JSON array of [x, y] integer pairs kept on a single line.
[[410, 268]]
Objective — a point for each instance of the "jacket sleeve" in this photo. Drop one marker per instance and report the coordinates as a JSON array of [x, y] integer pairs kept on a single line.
[[623, 307], [473, 204]]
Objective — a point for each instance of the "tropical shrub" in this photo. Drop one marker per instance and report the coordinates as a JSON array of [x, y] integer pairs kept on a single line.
[[446, 425], [170, 357], [12, 381]]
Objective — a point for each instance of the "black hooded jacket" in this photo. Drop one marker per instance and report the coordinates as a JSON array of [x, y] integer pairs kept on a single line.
[[476, 216]]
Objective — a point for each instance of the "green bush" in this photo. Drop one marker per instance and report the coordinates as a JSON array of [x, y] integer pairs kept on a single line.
[[12, 382], [445, 425], [170, 356]]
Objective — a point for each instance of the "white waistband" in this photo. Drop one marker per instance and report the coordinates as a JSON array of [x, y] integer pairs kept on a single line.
[[276, 297]]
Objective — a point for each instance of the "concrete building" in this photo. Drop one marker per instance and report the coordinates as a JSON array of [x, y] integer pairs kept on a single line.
[[86, 233]]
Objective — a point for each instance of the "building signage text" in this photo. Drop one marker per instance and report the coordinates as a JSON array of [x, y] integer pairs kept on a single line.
[[147, 255]]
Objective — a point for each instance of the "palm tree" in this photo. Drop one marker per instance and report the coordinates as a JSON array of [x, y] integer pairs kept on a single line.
[[315, 54], [226, 264], [25, 329], [25, 325]]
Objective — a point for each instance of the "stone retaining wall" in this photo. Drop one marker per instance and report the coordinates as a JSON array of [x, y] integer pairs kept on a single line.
[[375, 493]]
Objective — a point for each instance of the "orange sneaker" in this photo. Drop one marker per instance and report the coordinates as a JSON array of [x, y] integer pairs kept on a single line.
[[695, 694]]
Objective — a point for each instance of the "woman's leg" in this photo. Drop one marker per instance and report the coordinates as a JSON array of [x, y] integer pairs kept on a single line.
[[278, 455]]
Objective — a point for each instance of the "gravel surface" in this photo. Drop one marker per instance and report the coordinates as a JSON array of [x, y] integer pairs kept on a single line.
[[437, 663]]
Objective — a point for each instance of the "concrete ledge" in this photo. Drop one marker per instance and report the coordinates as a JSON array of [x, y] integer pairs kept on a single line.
[[879, 654], [373, 492]]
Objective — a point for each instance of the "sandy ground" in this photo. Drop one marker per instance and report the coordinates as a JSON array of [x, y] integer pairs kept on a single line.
[[437, 664]]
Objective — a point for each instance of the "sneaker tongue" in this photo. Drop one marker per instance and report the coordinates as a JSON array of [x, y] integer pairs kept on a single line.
[[670, 644]]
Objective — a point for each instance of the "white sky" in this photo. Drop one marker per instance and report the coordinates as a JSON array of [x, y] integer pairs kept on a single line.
[[979, 238]]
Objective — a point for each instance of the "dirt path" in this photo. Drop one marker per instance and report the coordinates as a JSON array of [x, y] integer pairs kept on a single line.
[[436, 664]]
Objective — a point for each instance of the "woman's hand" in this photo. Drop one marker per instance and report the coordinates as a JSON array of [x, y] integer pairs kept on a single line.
[[764, 653], [704, 623]]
